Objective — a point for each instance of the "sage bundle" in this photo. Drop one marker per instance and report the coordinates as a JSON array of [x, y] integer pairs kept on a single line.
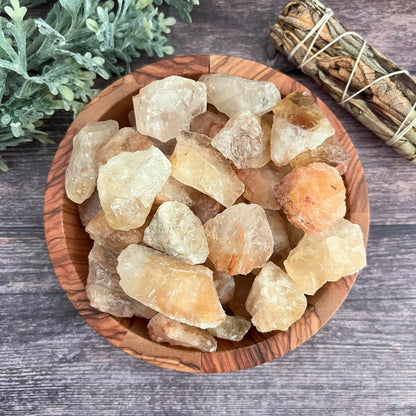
[[363, 80]]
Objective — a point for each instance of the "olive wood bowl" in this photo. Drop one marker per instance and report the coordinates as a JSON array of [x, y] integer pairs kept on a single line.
[[69, 245]]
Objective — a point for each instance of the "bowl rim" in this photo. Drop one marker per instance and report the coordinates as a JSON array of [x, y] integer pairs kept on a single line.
[[71, 271]]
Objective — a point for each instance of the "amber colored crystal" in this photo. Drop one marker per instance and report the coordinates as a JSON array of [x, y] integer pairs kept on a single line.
[[312, 197]]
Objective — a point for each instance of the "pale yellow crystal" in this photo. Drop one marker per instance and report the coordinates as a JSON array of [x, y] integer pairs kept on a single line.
[[243, 141], [177, 231], [126, 139], [334, 253], [165, 107], [203, 206], [180, 291], [330, 152], [274, 301], [196, 163], [239, 239], [260, 184], [298, 125], [103, 288], [115, 240], [127, 185], [82, 170], [231, 94], [163, 329], [174, 190], [233, 328]]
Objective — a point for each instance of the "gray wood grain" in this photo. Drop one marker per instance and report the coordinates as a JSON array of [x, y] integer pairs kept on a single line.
[[363, 362]]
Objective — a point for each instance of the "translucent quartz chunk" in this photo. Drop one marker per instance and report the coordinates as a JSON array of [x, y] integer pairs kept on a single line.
[[126, 139], [165, 107], [103, 288], [274, 301], [203, 206], [89, 208], [82, 170], [239, 239], [174, 190], [114, 240], [260, 184], [180, 291], [231, 94], [243, 141], [298, 124], [128, 184], [208, 123], [281, 246], [176, 230], [225, 286], [163, 329], [330, 152], [233, 328], [195, 163], [312, 197], [336, 252]]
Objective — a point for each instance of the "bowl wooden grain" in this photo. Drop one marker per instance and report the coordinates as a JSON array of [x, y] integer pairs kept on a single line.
[[68, 244]]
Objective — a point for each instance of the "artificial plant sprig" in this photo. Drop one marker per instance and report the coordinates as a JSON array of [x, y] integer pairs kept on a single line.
[[51, 64]]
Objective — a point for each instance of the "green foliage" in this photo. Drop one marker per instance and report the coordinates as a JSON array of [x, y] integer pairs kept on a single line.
[[51, 64]]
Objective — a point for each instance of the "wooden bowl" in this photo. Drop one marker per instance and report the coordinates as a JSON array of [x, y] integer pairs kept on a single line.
[[68, 244]]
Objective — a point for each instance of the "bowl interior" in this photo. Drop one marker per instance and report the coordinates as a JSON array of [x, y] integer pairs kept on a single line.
[[69, 244]]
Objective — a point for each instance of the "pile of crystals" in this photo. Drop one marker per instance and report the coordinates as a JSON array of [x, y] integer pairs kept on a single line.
[[221, 208]]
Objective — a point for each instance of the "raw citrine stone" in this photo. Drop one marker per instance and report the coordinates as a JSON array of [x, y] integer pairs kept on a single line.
[[312, 197], [233, 328], [203, 206], [208, 123], [274, 301], [163, 329], [126, 139], [334, 253], [330, 152], [165, 107], [244, 141], [298, 125], [231, 94], [183, 292], [103, 288], [82, 170], [177, 231], [114, 240], [281, 243], [196, 163], [239, 239], [174, 190], [225, 286], [260, 184], [127, 185], [89, 208]]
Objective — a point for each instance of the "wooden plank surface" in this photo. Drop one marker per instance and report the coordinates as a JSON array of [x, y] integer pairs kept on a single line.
[[363, 362]]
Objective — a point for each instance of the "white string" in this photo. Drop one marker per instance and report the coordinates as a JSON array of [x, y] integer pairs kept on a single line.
[[354, 68], [319, 26], [399, 134]]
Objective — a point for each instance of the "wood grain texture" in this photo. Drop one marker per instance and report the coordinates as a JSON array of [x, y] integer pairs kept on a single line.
[[363, 362], [69, 246]]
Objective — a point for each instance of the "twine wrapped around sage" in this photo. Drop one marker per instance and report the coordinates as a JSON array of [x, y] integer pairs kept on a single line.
[[363, 80]]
